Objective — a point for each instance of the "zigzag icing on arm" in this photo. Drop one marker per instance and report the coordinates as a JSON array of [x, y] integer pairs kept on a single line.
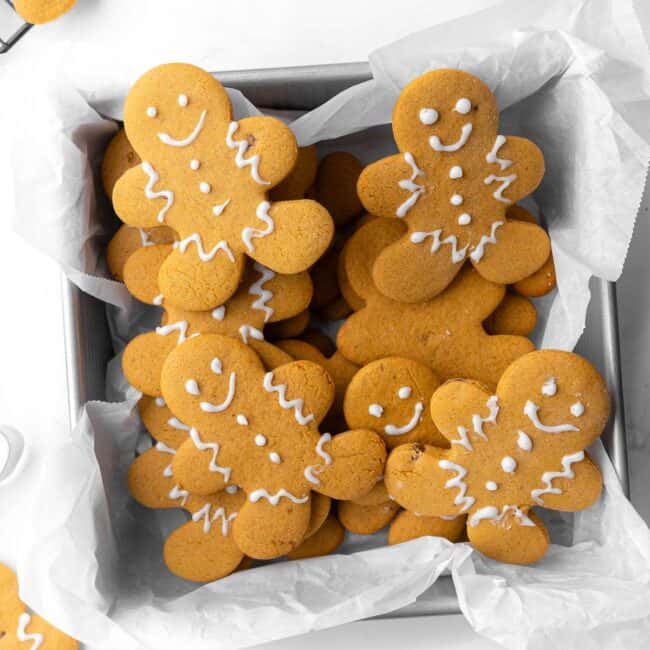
[[177, 493], [214, 447], [295, 404], [248, 234], [22, 635], [242, 147], [410, 185], [492, 513], [309, 470], [506, 182], [149, 192], [457, 482], [257, 289], [549, 477], [478, 421], [249, 332], [492, 156], [479, 250], [179, 326]]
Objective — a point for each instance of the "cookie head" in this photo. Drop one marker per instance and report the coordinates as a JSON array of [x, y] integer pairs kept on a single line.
[[442, 111], [391, 396], [171, 105]]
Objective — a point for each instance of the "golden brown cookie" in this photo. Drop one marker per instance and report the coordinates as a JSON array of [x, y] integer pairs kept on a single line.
[[451, 183], [519, 447], [263, 297], [366, 520], [325, 541], [391, 396], [207, 177], [320, 509], [118, 158], [335, 186], [408, 525], [514, 315], [446, 333], [20, 627], [543, 281], [259, 430], [340, 371], [334, 311], [302, 176], [320, 341], [128, 240], [38, 12], [289, 327]]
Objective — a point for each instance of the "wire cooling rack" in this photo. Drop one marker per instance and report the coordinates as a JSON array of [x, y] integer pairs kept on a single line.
[[12, 26]]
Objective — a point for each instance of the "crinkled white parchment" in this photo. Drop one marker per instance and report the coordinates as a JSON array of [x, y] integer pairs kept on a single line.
[[573, 75]]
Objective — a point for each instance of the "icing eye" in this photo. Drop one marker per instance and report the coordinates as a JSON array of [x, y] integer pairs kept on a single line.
[[577, 409], [404, 392], [376, 410], [192, 387], [215, 366], [183, 100], [463, 106], [152, 111], [428, 116], [242, 419]]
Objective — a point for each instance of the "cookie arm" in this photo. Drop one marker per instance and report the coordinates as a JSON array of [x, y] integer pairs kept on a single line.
[[527, 165], [141, 271], [292, 237], [148, 482], [575, 493], [379, 187], [357, 463], [143, 360], [274, 144], [417, 481], [130, 198], [291, 294], [521, 249]]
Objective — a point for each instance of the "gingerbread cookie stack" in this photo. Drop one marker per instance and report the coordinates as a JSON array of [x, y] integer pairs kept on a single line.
[[432, 413]]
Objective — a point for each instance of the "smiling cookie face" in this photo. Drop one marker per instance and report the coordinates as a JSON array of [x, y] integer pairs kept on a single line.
[[391, 396], [443, 112]]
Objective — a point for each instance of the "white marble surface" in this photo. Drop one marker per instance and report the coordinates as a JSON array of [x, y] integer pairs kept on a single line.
[[255, 34]]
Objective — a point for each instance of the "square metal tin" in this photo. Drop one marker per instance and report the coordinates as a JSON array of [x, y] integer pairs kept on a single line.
[[88, 347]]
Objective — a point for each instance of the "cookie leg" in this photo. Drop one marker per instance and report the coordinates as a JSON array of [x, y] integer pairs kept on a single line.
[[265, 531], [516, 537], [200, 552], [188, 282], [409, 272], [323, 542]]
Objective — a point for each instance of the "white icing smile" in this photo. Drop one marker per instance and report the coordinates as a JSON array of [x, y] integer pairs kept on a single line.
[[208, 407], [465, 132], [393, 430], [183, 142], [530, 410]]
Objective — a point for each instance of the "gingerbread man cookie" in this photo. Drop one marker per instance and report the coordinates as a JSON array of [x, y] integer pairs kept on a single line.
[[21, 628], [446, 333], [301, 178], [263, 297], [207, 177], [451, 184], [259, 430], [518, 447]]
